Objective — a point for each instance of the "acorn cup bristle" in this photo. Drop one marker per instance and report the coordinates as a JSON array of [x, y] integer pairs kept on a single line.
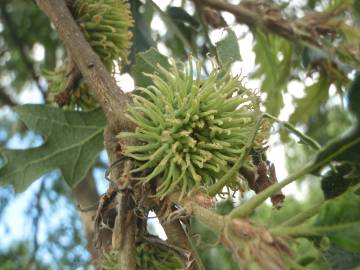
[[192, 131]]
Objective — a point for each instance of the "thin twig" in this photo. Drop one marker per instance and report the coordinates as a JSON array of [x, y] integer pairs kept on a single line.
[[305, 138], [303, 215], [306, 31], [248, 207]]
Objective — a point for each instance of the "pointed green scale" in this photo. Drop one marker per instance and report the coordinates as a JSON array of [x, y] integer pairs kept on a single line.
[[143, 125], [141, 148], [157, 170]]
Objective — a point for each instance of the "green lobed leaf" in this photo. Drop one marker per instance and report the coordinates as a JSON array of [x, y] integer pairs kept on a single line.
[[227, 49], [142, 39], [310, 103], [307, 255], [273, 68], [73, 141], [341, 216], [146, 62]]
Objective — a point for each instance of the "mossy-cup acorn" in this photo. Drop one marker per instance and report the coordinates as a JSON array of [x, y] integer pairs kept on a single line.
[[148, 257], [191, 130], [106, 26]]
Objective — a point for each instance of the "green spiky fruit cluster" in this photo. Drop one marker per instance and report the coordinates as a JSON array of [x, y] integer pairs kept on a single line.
[[155, 258], [105, 24], [147, 257], [80, 97], [191, 131]]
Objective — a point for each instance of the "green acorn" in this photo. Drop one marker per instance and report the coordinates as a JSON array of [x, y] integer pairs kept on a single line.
[[148, 257], [192, 131], [105, 24], [80, 97], [152, 257]]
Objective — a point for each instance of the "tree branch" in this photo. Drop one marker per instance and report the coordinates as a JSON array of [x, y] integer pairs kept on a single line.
[[124, 232], [177, 237], [111, 98], [114, 103], [308, 30], [248, 242]]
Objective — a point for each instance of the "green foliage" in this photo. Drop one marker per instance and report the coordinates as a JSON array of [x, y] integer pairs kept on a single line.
[[155, 258], [73, 141], [142, 39], [340, 259], [271, 217], [338, 180], [146, 63], [213, 255], [341, 216], [354, 97], [227, 49], [148, 257], [17, 40], [308, 255], [273, 59], [316, 94], [179, 15], [356, 10], [193, 131], [329, 123], [351, 141], [19, 257], [183, 31]]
